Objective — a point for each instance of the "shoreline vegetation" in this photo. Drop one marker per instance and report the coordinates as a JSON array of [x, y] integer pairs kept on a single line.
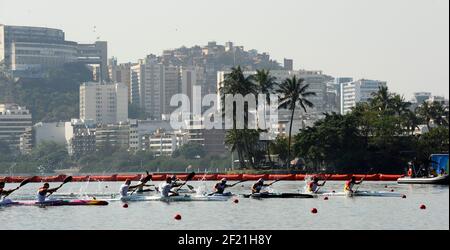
[[379, 135]]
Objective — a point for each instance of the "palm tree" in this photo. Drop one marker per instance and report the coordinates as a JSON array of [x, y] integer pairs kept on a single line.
[[294, 92], [399, 106], [237, 83], [266, 84], [381, 99], [425, 112]]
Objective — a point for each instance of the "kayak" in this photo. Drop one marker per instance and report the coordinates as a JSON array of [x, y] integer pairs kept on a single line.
[[175, 198], [440, 180], [55, 203], [278, 195], [363, 194]]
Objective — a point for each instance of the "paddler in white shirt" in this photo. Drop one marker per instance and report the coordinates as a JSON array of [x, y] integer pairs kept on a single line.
[[314, 185], [43, 191], [166, 188], [124, 188]]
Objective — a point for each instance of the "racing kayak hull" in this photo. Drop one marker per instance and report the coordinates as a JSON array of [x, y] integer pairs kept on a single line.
[[363, 194], [440, 180], [278, 196], [54, 203], [180, 198]]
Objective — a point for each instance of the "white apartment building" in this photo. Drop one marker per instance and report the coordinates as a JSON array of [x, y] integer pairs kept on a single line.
[[358, 91], [104, 103], [14, 121], [50, 132], [152, 86]]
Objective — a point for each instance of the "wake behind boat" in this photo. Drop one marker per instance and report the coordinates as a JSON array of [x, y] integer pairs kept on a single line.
[[362, 194]]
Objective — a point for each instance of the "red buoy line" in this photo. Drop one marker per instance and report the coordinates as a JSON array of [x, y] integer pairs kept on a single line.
[[208, 177]]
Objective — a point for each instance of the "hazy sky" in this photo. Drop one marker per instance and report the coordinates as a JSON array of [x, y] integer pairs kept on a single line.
[[405, 42]]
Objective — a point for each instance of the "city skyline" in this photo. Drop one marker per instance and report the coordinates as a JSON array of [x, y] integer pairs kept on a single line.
[[342, 39]]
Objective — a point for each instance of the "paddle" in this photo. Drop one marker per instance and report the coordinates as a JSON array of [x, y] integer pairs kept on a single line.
[[229, 186], [23, 183], [145, 180], [329, 176], [360, 182], [189, 177], [67, 180]]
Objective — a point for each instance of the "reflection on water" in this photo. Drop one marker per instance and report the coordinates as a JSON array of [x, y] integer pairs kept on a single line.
[[335, 213]]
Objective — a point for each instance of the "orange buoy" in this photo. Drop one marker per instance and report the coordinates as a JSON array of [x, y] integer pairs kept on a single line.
[[177, 217], [423, 207], [125, 205], [314, 211]]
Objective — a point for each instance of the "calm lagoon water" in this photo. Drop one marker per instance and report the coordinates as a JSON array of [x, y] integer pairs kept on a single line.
[[336, 213]]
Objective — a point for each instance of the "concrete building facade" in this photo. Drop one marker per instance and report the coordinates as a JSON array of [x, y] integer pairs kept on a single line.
[[14, 121], [28, 51], [358, 91], [104, 103]]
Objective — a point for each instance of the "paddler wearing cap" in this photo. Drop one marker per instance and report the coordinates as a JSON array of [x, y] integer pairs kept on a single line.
[[220, 187], [313, 186], [124, 188], [348, 188], [256, 188]]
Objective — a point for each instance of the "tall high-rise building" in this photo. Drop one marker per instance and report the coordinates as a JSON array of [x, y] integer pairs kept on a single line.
[[358, 91], [153, 84], [28, 51], [104, 103], [192, 77], [120, 73], [14, 122], [288, 64]]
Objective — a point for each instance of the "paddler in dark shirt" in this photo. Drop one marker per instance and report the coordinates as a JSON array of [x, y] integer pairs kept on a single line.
[[43, 191], [256, 188], [220, 187], [143, 183], [4, 192]]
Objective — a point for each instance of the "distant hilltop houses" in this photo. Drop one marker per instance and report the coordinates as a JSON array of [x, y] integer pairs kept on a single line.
[[148, 85]]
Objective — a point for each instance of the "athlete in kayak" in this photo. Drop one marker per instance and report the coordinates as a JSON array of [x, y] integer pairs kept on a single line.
[[143, 183], [314, 185], [348, 188], [220, 187], [124, 188], [166, 188], [4, 192], [43, 191], [256, 188]]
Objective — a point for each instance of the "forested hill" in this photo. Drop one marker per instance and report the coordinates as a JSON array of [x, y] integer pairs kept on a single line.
[[50, 99]]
